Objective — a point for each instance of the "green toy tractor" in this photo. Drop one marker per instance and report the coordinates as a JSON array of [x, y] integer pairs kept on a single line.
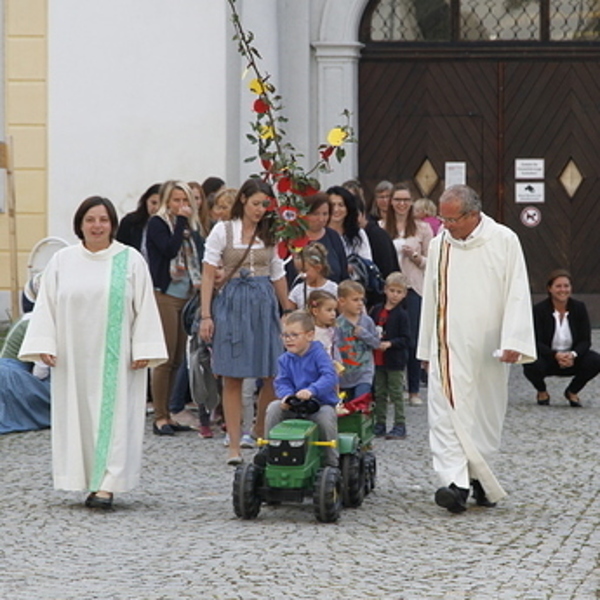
[[288, 468]]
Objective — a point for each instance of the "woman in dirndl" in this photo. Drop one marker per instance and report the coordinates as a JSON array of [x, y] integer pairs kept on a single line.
[[242, 319]]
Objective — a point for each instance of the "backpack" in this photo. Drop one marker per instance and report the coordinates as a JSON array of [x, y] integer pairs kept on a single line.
[[366, 272]]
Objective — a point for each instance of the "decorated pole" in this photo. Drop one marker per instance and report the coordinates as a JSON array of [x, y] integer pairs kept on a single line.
[[279, 160]]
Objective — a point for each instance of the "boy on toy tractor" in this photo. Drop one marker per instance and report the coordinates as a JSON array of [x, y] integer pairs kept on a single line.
[[291, 464]]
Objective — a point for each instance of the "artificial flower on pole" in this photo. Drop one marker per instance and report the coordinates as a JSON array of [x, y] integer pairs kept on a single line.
[[277, 156]]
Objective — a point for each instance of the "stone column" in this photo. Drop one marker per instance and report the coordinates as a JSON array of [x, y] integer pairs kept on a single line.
[[337, 89]]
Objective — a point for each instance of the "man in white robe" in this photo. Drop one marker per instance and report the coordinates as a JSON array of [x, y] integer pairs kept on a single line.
[[96, 314], [475, 320]]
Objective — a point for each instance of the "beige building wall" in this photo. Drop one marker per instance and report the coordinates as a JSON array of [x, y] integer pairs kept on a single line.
[[25, 40]]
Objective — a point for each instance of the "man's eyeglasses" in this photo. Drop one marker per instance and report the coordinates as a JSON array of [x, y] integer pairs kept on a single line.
[[452, 220]]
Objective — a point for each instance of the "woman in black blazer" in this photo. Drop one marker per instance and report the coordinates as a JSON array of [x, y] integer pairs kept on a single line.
[[563, 340]]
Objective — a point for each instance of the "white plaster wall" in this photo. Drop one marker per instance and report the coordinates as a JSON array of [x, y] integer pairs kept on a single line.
[[145, 90], [136, 95], [309, 48]]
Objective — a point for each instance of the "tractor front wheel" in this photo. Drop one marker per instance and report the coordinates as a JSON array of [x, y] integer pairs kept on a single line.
[[327, 497], [246, 500]]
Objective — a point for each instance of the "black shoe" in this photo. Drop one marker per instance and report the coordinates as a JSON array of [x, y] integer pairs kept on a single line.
[[479, 495], [165, 429], [94, 501], [544, 400], [178, 427], [573, 399], [452, 498]]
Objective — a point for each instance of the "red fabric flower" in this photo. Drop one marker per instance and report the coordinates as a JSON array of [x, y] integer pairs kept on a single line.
[[305, 190], [284, 185], [300, 242], [283, 250], [325, 154], [260, 106]]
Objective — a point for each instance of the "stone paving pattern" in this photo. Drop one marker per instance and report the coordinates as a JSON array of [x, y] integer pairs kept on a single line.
[[176, 536]]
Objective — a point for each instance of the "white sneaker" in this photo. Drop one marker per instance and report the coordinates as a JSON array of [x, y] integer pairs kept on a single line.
[[247, 441], [415, 400], [226, 440], [185, 417]]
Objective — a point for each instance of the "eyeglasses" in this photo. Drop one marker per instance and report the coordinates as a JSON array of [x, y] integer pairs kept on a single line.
[[292, 336], [409, 200], [452, 220]]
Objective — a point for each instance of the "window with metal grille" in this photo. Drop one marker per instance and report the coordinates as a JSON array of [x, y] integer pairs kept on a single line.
[[575, 20], [483, 20]]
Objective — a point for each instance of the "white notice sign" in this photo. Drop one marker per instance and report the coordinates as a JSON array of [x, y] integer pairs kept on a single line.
[[529, 168], [455, 173], [529, 193]]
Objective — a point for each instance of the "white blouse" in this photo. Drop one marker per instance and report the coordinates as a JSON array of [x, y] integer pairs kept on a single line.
[[297, 294], [217, 240], [363, 249], [562, 340]]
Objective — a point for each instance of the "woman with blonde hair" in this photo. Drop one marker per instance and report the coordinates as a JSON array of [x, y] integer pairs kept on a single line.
[[426, 210], [223, 200], [202, 205], [175, 252]]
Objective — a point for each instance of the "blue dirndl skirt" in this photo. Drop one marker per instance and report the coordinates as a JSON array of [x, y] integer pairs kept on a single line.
[[247, 340]]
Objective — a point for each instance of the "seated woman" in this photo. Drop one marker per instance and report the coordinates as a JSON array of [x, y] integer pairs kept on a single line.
[[24, 386], [563, 339]]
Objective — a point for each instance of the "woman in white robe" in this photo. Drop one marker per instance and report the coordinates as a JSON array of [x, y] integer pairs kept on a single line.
[[96, 324]]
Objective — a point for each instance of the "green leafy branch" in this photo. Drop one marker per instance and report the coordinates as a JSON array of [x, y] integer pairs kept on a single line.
[[278, 157]]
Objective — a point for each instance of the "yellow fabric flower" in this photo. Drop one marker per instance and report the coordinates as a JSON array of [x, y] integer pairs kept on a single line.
[[336, 136], [257, 86], [267, 132]]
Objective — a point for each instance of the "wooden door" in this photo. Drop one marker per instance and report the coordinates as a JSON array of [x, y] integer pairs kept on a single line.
[[552, 111], [488, 112], [412, 112]]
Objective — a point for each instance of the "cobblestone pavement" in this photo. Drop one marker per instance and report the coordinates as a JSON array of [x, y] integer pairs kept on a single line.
[[177, 537]]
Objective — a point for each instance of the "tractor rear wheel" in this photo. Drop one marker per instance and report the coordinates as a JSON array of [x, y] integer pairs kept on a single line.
[[353, 480], [327, 497], [246, 500], [370, 471]]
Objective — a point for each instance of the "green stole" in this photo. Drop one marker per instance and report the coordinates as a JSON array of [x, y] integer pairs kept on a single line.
[[112, 359]]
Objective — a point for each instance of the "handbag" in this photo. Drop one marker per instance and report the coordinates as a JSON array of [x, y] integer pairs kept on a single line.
[[367, 273]]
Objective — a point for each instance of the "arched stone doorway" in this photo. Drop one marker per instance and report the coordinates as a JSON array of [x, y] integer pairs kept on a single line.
[[484, 83]]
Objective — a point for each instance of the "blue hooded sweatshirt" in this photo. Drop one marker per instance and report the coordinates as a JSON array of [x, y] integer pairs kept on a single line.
[[313, 370]]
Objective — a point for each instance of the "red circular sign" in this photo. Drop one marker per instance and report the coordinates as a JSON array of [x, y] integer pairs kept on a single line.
[[531, 216]]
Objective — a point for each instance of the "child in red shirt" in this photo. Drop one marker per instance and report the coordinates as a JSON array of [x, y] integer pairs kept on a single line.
[[393, 324]]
